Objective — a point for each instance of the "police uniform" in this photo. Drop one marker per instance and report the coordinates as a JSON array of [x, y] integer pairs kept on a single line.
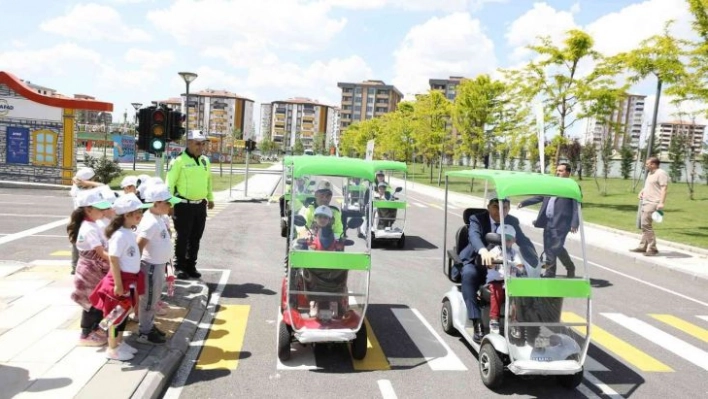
[[189, 178]]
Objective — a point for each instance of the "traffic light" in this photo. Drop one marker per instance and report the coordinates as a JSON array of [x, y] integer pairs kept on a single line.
[[143, 128], [158, 131], [176, 125], [250, 145]]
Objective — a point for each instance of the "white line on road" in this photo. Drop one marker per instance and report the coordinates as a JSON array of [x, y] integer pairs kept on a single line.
[[449, 362], [386, 389], [587, 392], [604, 388], [40, 235], [31, 215], [419, 205], [51, 262], [195, 347], [33, 231], [667, 341], [705, 318]]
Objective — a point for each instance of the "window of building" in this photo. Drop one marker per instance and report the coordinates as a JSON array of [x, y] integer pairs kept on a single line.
[[357, 108], [45, 148], [357, 90]]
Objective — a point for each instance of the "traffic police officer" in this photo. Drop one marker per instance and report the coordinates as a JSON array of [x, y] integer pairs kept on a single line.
[[189, 178]]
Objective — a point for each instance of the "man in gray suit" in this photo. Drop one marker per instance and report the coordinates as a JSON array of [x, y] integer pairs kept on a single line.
[[557, 217]]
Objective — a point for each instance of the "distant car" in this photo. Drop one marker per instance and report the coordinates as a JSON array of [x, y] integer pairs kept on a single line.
[[309, 152]]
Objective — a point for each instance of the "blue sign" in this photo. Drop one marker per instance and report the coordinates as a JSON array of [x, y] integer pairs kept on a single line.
[[123, 148], [17, 145]]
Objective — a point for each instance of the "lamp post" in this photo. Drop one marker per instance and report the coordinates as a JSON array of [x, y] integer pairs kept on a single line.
[[105, 116], [188, 78], [136, 106]]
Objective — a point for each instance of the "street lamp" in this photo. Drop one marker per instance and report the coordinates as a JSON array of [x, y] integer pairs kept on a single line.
[[136, 106], [188, 78]]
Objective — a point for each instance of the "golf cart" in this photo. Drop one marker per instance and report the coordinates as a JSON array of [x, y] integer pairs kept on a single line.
[[533, 338], [325, 290], [389, 208]]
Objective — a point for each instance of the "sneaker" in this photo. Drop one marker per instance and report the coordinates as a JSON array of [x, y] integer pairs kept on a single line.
[[162, 304], [494, 326], [93, 339], [313, 309], [151, 338], [158, 331], [160, 311], [118, 354], [127, 348]]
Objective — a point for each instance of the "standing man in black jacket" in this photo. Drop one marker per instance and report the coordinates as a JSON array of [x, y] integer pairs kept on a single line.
[[557, 217]]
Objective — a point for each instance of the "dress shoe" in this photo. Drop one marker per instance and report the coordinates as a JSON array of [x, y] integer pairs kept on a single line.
[[478, 331], [638, 250], [194, 274], [571, 273], [651, 253], [182, 275]]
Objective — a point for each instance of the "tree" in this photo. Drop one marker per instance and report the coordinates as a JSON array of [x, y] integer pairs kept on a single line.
[[588, 161], [298, 147], [555, 78], [704, 165], [606, 158], [106, 169], [267, 146], [572, 151], [627, 161], [676, 156], [431, 113], [694, 83], [318, 143]]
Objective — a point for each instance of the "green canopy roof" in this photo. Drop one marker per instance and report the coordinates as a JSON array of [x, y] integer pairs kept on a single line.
[[510, 184], [321, 165], [389, 165]]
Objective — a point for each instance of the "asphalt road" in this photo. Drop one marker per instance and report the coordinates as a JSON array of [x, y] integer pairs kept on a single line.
[[644, 307], [406, 290]]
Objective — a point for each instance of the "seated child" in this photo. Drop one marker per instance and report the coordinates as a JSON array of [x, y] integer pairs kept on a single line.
[[495, 274]]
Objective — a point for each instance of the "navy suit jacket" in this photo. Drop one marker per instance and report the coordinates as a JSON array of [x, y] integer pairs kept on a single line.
[[480, 225], [565, 213]]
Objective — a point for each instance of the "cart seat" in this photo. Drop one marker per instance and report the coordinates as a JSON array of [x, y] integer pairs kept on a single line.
[[453, 269]]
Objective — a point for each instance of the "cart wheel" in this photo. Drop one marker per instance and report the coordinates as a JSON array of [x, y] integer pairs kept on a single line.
[[491, 367], [446, 318], [283, 341], [570, 381], [283, 232], [359, 344], [401, 242]]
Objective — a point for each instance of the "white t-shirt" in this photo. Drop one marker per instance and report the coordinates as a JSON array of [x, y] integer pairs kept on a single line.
[[154, 228], [124, 245], [90, 236], [75, 190], [513, 257]]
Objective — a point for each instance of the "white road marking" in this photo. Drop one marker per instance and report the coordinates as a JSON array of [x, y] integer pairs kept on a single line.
[[587, 392], [386, 389], [41, 235], [33, 231], [419, 205], [669, 342], [604, 388], [31, 215], [449, 362], [705, 318], [51, 262], [190, 358], [301, 357]]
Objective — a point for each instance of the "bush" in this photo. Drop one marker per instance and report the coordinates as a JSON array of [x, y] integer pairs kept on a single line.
[[106, 169]]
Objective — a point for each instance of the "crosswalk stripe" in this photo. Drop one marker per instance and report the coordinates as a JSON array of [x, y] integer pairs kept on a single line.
[[436, 206], [375, 358], [448, 362], [704, 318], [301, 357], [222, 348], [688, 328], [667, 341], [419, 205], [619, 347], [61, 253]]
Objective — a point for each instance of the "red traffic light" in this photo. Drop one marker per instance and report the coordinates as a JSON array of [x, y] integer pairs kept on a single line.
[[158, 116]]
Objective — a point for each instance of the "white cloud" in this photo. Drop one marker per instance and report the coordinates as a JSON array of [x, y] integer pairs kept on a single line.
[[56, 60], [414, 5], [526, 29], [441, 47], [150, 59], [94, 22], [243, 54], [286, 24]]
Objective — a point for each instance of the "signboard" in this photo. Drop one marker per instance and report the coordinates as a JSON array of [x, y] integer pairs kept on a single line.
[[17, 145], [239, 143], [123, 148], [20, 108], [370, 150]]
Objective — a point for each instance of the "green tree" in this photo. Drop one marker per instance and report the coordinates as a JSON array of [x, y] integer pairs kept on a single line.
[[606, 147], [588, 161], [704, 165], [572, 151], [318, 143], [267, 146], [298, 147], [676, 156], [694, 84], [627, 161], [431, 113], [106, 169]]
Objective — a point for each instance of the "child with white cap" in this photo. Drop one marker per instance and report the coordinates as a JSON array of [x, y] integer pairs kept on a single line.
[[92, 265], [83, 180], [155, 242], [129, 184], [495, 274], [124, 273]]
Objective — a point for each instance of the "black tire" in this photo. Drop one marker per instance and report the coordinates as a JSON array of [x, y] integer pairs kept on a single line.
[[570, 381], [446, 318], [491, 367], [359, 343], [283, 341], [401, 242]]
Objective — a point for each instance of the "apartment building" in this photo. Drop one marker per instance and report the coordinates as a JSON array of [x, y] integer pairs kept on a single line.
[[301, 117], [174, 103], [447, 86], [366, 100], [666, 131], [219, 112], [629, 115]]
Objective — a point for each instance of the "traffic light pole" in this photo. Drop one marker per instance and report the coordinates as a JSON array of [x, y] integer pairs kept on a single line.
[[158, 164], [245, 184]]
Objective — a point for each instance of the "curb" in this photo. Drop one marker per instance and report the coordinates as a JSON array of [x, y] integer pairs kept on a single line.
[[262, 198], [20, 184], [164, 363]]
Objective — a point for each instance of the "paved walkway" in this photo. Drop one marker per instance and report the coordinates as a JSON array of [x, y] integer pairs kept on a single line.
[[260, 187], [675, 256]]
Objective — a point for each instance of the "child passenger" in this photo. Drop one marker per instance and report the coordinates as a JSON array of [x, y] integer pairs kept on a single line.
[[495, 274]]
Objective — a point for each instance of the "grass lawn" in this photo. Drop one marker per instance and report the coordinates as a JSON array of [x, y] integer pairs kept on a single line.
[[226, 166], [219, 183], [683, 222]]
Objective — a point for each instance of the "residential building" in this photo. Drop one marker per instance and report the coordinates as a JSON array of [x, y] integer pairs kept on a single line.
[[285, 121], [629, 115], [219, 112], [447, 86], [87, 117], [45, 91], [666, 131], [366, 100], [174, 103]]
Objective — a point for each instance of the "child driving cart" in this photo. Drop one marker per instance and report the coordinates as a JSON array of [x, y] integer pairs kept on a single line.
[[495, 274]]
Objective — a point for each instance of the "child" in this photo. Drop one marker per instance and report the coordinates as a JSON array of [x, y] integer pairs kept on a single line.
[[154, 240], [125, 270], [92, 264], [129, 184], [495, 274], [83, 180]]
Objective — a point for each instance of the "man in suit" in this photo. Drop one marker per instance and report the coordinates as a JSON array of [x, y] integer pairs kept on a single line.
[[557, 217], [473, 276]]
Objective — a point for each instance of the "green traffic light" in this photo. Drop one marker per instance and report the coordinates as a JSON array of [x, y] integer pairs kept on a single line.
[[158, 145]]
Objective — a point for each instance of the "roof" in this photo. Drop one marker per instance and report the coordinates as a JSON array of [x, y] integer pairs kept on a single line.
[[698, 125], [53, 101], [389, 165], [510, 184], [301, 100], [322, 165], [216, 93]]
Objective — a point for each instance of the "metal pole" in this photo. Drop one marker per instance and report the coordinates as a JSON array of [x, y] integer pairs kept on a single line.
[[245, 188], [650, 143], [135, 138], [105, 141], [158, 164], [186, 110], [231, 173]]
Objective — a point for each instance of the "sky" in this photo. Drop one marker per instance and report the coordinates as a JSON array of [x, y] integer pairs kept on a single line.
[[124, 51]]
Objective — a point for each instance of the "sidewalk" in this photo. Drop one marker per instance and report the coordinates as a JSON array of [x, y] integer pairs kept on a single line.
[[675, 256], [39, 331], [260, 187]]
